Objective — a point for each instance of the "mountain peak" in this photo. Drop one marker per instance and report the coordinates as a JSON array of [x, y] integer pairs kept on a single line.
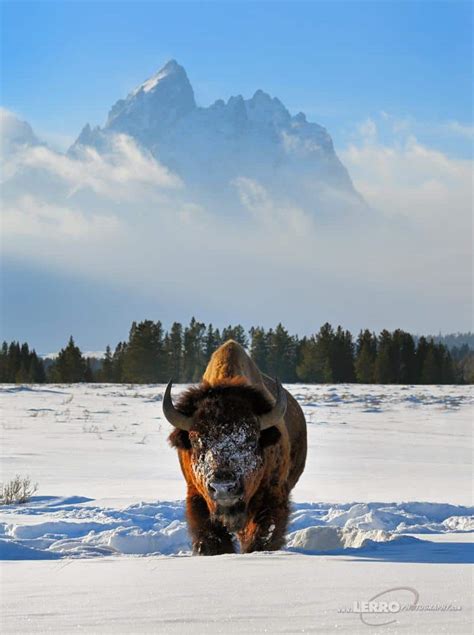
[[215, 144], [261, 95], [155, 105], [171, 65], [171, 70]]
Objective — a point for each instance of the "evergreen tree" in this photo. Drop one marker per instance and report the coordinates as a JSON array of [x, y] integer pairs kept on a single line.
[[407, 358], [70, 366], [259, 348], [437, 365], [420, 356], [465, 368], [4, 363], [317, 356], [88, 373], [20, 365], [117, 362], [324, 354], [174, 352], [36, 372], [448, 373], [281, 354], [342, 356], [143, 359], [193, 351], [236, 333], [384, 372], [307, 369], [394, 353], [14, 360], [300, 344], [365, 357], [430, 373], [106, 373], [212, 341], [22, 374]]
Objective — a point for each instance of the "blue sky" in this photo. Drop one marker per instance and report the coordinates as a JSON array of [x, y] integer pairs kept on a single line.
[[65, 63], [392, 83]]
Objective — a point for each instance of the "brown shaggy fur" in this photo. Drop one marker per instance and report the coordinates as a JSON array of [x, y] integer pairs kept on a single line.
[[235, 390], [227, 401]]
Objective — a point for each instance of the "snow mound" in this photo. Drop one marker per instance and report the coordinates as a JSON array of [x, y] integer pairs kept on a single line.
[[173, 539], [407, 518], [333, 538], [459, 523], [73, 527]]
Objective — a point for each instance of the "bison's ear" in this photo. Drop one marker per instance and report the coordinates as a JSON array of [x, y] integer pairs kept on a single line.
[[179, 439], [270, 436]]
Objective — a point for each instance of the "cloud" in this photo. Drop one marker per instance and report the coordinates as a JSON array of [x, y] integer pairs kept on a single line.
[[270, 214], [408, 179], [124, 173], [426, 199], [14, 133], [433, 131], [33, 218], [367, 129], [460, 129]]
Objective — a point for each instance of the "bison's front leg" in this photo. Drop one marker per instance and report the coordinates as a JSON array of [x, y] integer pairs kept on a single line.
[[267, 527], [209, 537]]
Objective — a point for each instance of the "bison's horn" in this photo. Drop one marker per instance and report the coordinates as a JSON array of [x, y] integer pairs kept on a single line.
[[278, 410], [176, 418]]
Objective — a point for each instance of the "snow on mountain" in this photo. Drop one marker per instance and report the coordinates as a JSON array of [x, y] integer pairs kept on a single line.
[[256, 138], [153, 107], [170, 70]]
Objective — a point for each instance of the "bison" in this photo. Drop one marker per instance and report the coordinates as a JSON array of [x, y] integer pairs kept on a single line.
[[241, 442]]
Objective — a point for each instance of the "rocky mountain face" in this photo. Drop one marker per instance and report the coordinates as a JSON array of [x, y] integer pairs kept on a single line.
[[255, 138]]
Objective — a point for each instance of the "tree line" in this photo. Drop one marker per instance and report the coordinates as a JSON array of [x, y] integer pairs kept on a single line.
[[153, 355], [19, 364]]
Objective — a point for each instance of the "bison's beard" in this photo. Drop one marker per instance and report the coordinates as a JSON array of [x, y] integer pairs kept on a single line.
[[233, 517]]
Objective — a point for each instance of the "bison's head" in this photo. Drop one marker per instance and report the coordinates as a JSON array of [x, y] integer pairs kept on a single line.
[[225, 429]]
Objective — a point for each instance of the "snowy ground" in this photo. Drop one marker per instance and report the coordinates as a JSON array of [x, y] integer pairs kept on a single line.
[[384, 507]]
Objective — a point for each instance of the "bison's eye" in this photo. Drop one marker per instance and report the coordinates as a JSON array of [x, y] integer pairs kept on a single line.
[[251, 440]]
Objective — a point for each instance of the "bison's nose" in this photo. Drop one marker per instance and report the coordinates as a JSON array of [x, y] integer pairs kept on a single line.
[[225, 491]]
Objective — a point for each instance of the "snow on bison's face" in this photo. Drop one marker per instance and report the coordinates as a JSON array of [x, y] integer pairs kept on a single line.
[[225, 430]]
